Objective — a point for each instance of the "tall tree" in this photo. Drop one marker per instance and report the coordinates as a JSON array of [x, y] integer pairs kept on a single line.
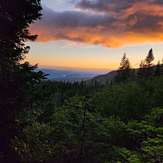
[[149, 59], [125, 64], [15, 18], [146, 65], [124, 69]]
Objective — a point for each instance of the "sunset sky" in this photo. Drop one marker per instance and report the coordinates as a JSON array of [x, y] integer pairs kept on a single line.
[[94, 34]]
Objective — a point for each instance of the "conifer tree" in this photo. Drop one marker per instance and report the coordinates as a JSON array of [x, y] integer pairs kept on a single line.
[[125, 64], [124, 69], [149, 59], [15, 17], [146, 65]]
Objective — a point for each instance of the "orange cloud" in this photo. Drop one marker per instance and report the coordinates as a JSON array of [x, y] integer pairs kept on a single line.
[[120, 23], [145, 7]]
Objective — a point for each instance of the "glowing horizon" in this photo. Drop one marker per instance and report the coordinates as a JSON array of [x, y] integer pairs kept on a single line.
[[93, 35]]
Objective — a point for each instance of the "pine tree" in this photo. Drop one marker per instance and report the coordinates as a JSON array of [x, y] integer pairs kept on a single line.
[[15, 18], [124, 69], [149, 59], [125, 64], [146, 65]]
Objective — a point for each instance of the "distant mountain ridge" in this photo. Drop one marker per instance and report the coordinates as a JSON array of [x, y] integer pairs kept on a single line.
[[73, 75], [68, 75], [104, 78], [110, 76]]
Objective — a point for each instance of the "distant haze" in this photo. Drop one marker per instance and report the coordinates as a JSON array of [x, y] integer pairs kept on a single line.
[[68, 75]]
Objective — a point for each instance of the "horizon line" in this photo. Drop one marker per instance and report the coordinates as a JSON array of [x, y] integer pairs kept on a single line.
[[76, 68]]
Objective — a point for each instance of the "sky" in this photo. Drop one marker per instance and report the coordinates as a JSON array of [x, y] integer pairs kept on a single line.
[[94, 34]]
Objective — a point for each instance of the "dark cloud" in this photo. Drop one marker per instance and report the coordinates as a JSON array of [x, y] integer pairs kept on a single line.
[[112, 5], [111, 23], [74, 19]]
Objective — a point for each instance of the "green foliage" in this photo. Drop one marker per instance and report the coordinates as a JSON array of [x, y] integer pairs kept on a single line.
[[74, 122], [152, 149], [117, 123], [130, 100], [35, 143]]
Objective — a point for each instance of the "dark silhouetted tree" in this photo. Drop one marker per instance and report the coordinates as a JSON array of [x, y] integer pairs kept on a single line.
[[125, 64], [149, 59], [124, 69], [15, 18], [146, 66]]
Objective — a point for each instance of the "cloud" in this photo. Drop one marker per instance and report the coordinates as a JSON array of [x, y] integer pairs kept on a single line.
[[106, 22]]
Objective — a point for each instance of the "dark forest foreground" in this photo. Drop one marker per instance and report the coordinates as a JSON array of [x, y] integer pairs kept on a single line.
[[87, 122]]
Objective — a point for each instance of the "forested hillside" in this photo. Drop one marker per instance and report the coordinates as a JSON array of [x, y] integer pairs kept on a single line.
[[118, 121]]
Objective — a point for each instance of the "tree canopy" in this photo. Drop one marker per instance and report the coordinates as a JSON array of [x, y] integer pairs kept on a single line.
[[15, 17]]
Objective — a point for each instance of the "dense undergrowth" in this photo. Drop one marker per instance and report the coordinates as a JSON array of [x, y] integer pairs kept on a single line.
[[120, 122]]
